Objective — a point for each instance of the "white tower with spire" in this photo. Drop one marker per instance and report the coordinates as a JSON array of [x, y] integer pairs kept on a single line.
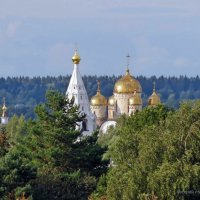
[[76, 90], [4, 118]]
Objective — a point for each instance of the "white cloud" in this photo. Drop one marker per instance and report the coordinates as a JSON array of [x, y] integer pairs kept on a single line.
[[96, 9], [9, 31], [48, 27], [181, 62], [12, 28]]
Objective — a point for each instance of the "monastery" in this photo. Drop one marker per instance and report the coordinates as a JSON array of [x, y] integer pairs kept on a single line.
[[100, 112]]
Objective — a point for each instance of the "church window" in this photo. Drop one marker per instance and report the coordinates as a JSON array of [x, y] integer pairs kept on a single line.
[[84, 125], [82, 108]]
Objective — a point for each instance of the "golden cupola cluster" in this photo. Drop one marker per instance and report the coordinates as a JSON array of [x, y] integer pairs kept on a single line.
[[98, 99], [76, 58], [126, 99], [154, 99], [135, 99], [127, 84]]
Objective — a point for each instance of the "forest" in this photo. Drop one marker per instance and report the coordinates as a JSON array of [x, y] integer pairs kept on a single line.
[[24, 93], [153, 154]]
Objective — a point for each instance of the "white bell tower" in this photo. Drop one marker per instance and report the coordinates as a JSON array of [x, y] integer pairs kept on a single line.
[[76, 90]]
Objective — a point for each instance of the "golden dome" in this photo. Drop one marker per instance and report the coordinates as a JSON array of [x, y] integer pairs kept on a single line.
[[135, 99], [98, 99], [154, 99], [4, 108], [111, 101], [76, 58], [127, 84]]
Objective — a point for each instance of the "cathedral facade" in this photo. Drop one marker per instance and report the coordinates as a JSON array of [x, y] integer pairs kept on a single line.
[[100, 112]]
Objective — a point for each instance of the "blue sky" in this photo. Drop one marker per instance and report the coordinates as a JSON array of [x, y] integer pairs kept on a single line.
[[38, 37]]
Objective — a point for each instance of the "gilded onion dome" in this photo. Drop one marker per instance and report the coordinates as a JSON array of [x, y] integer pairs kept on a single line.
[[127, 84], [154, 99], [4, 109], [98, 99], [135, 99], [76, 58], [111, 101]]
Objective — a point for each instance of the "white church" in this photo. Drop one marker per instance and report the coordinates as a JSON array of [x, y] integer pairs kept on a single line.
[[103, 113]]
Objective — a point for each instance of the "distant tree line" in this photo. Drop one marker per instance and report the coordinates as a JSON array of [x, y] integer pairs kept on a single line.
[[24, 93]]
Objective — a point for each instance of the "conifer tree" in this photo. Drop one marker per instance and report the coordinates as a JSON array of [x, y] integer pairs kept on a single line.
[[68, 164], [51, 159]]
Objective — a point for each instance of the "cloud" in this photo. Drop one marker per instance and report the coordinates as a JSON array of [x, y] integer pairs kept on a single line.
[[181, 62], [12, 28], [9, 31], [37, 36], [79, 9]]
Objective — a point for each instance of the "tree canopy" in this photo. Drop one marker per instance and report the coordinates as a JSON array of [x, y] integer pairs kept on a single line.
[[155, 153]]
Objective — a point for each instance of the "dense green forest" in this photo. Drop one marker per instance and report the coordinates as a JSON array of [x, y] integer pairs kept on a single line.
[[153, 154], [23, 93]]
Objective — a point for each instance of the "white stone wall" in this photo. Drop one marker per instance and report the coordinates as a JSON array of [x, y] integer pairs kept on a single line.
[[100, 113], [122, 103], [4, 120], [111, 113]]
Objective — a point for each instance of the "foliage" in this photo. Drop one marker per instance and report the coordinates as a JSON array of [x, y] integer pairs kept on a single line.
[[49, 158], [16, 173], [156, 153], [68, 164], [16, 128], [4, 142]]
